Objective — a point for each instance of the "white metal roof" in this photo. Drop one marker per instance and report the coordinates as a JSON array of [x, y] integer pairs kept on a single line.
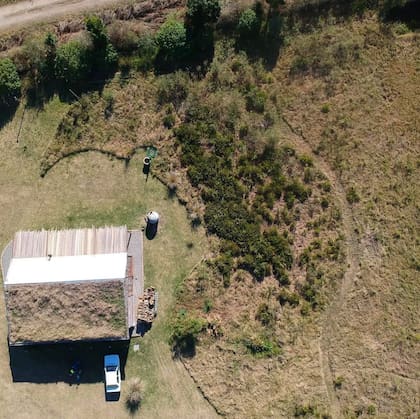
[[67, 268]]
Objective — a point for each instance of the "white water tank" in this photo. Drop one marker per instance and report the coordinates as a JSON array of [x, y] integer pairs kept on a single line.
[[152, 217]]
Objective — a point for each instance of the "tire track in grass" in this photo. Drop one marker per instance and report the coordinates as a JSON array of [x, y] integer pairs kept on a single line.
[[329, 325]]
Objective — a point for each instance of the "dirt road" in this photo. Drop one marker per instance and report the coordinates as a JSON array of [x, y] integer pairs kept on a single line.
[[25, 12]]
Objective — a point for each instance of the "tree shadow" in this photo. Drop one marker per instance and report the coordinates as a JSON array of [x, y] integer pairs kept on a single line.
[[185, 348], [308, 15], [51, 363], [408, 14], [7, 113]]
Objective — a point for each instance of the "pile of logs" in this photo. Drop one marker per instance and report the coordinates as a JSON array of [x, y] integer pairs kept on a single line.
[[147, 306]]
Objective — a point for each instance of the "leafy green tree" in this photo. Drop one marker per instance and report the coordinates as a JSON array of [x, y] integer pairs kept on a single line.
[[103, 54], [50, 44], [171, 39], [9, 82], [203, 12], [71, 62], [248, 23], [97, 31]]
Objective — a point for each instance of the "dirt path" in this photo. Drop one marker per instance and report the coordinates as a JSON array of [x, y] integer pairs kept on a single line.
[[329, 324], [22, 13]]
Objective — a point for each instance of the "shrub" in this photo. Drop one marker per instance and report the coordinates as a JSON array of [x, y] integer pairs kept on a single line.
[[371, 410], [306, 161], [147, 50], [122, 37], [134, 395], [338, 382], [305, 410], [71, 62], [50, 43], [224, 264], [264, 314], [109, 103], [169, 120], [261, 347], [173, 88], [352, 196], [171, 39], [208, 305], [325, 108], [184, 333], [286, 297], [255, 100], [9, 82]]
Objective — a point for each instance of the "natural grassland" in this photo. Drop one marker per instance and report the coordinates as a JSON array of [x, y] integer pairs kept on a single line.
[[348, 97], [333, 335], [86, 190]]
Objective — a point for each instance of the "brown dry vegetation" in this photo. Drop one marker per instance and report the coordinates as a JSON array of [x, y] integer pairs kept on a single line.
[[43, 313], [354, 107], [344, 96]]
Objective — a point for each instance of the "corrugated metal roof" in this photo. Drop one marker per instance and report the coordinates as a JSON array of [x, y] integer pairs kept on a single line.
[[67, 268], [78, 242]]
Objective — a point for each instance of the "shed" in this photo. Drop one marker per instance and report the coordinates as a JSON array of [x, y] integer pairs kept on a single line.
[[72, 285]]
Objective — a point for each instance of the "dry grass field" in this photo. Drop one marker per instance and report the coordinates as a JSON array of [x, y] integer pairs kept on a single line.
[[349, 97], [86, 190]]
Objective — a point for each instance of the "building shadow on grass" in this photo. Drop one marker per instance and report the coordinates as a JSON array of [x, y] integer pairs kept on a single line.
[[51, 363]]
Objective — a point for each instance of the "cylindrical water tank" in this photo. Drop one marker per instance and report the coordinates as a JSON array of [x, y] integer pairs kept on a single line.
[[152, 217]]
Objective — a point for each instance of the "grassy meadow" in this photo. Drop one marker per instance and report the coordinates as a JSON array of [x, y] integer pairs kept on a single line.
[[91, 189]]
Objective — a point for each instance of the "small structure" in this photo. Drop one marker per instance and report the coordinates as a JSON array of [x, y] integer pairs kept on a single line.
[[72, 285], [152, 217]]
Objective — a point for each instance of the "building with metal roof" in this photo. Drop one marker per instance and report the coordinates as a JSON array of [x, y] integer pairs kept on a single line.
[[72, 285]]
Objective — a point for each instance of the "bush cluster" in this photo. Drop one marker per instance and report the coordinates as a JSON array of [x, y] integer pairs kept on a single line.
[[184, 333], [209, 159]]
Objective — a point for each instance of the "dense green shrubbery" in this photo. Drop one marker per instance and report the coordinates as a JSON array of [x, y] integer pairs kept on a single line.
[[255, 100], [227, 214], [261, 347], [9, 82], [248, 24], [184, 333], [203, 12], [147, 50], [265, 315], [172, 41], [71, 63]]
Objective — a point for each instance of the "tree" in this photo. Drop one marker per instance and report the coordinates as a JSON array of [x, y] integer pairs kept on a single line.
[[103, 54], [171, 39], [50, 44], [203, 12], [71, 62], [97, 31], [9, 82], [248, 23]]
